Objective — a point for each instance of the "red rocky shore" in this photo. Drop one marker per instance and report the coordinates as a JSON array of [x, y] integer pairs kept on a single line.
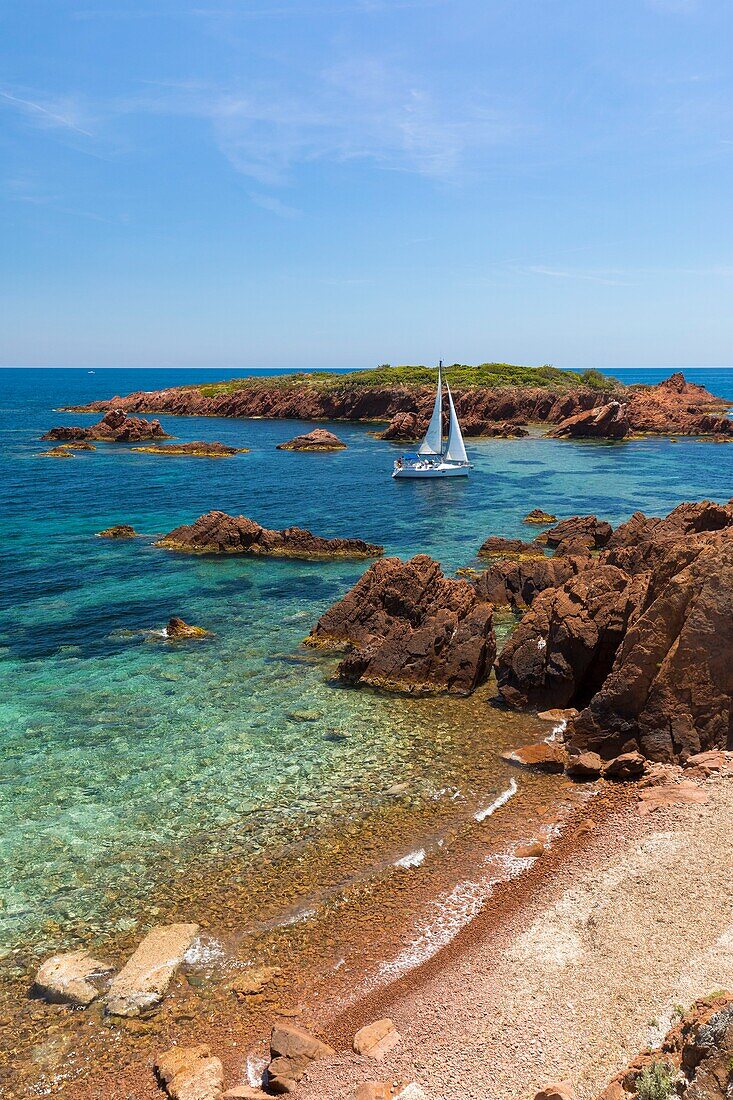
[[673, 406], [632, 629]]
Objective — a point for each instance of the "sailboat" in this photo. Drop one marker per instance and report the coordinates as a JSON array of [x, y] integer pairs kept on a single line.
[[432, 459]]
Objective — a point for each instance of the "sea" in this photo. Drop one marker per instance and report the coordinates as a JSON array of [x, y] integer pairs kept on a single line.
[[133, 767]]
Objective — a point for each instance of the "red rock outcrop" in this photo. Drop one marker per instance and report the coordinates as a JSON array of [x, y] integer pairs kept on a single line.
[[317, 440], [673, 406], [404, 427], [515, 584], [563, 649], [590, 530], [114, 427], [219, 533], [409, 628], [640, 635], [697, 1052], [669, 693], [605, 422]]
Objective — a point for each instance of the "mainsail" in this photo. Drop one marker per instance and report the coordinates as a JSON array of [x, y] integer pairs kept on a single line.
[[455, 451], [432, 444]]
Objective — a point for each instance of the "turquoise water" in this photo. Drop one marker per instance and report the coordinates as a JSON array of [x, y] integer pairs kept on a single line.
[[123, 755]]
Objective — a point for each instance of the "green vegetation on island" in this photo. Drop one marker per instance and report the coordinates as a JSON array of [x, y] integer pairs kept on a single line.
[[459, 375]]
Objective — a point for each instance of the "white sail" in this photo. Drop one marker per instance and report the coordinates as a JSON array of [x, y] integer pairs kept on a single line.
[[432, 444], [455, 451]]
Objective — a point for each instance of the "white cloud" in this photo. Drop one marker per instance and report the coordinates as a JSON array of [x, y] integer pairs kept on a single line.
[[63, 112]]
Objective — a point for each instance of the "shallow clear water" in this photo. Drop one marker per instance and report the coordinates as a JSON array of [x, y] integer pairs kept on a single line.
[[122, 753]]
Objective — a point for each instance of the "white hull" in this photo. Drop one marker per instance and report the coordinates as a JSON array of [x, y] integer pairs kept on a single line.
[[442, 469]]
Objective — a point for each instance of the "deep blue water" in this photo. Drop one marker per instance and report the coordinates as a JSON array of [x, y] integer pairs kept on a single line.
[[118, 749]]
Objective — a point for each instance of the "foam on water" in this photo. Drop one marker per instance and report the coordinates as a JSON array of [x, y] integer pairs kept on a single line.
[[502, 800]]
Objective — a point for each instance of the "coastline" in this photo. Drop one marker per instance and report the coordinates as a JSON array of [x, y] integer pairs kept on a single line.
[[568, 969]]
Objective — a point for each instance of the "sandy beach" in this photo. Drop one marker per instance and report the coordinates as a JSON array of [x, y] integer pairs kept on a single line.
[[596, 948]]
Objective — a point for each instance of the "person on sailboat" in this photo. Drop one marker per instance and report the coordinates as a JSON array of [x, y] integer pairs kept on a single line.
[[432, 459]]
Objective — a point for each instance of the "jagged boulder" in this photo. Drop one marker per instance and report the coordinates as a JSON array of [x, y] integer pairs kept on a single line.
[[118, 531], [190, 1073], [563, 649], [591, 530], [409, 628], [72, 978], [605, 422], [669, 694], [292, 1049], [515, 584]]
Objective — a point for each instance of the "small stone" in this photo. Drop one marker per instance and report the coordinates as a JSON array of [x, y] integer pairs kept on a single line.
[[533, 850], [558, 714], [584, 768], [119, 531], [178, 629], [380, 1090], [292, 1049], [629, 765], [65, 979], [143, 981], [538, 516], [542, 757], [190, 1073], [376, 1040]]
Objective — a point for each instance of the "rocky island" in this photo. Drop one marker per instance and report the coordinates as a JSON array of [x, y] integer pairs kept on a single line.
[[198, 449], [491, 399], [317, 440], [114, 427], [219, 533]]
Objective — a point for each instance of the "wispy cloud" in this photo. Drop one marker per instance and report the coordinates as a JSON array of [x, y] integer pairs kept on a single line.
[[360, 108], [275, 205], [64, 113], [606, 278]]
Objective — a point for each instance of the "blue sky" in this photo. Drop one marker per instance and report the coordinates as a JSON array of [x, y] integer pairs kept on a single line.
[[244, 183]]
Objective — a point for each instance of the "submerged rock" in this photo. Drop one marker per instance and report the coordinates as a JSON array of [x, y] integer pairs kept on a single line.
[[410, 629], [114, 427], [71, 978], [292, 1049], [144, 979], [540, 517], [55, 452], [119, 531], [497, 547], [219, 533], [190, 1073], [198, 449], [178, 629], [317, 440]]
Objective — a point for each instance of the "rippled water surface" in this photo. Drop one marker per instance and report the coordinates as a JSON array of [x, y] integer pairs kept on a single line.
[[124, 755]]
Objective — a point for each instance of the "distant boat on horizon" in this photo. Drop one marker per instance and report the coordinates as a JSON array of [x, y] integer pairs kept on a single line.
[[432, 460]]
